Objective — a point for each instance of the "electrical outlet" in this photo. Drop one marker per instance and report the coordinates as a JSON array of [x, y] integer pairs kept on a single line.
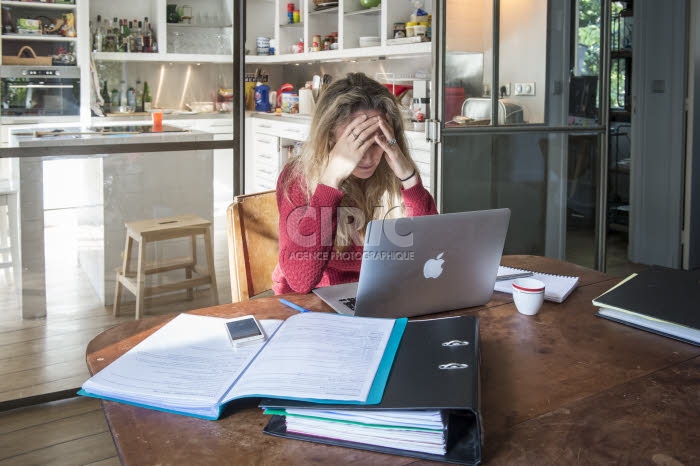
[[504, 90], [524, 88]]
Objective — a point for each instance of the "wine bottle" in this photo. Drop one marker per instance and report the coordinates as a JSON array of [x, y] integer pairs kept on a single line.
[[146, 97]]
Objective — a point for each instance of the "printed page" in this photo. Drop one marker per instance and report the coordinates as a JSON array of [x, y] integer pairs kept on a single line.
[[318, 356], [189, 362]]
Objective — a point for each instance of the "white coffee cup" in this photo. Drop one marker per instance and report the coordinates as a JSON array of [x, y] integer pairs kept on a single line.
[[528, 295]]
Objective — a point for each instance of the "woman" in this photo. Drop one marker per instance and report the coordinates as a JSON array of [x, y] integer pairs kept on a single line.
[[355, 167]]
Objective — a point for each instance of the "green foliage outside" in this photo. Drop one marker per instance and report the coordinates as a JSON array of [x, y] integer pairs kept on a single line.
[[589, 16]]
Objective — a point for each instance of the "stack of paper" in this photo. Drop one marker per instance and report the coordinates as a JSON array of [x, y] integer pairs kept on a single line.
[[556, 287], [415, 430]]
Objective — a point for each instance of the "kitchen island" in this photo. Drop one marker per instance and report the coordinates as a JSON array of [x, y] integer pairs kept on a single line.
[[132, 184]]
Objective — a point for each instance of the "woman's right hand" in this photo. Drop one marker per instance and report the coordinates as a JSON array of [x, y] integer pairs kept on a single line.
[[348, 149]]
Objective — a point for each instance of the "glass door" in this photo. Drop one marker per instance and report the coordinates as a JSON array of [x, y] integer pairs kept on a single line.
[[528, 134]]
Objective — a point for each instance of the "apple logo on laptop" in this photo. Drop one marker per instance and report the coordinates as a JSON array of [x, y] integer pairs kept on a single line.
[[433, 267]]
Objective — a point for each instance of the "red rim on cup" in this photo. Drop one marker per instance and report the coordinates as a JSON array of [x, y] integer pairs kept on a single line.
[[528, 289]]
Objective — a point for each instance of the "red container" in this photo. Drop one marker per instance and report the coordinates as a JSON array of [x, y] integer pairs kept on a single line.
[[454, 98]]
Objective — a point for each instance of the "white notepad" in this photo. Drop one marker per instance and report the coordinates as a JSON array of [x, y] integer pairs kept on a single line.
[[556, 287]]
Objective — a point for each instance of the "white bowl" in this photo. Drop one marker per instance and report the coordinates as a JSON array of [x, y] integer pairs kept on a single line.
[[528, 295]]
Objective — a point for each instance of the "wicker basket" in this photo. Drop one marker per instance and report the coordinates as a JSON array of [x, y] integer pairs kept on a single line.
[[30, 58]]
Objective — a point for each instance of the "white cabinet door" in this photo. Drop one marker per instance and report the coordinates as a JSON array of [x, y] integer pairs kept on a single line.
[[420, 152], [265, 161]]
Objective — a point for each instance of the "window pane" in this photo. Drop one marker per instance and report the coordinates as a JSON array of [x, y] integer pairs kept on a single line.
[[469, 45], [584, 82], [487, 172], [522, 82]]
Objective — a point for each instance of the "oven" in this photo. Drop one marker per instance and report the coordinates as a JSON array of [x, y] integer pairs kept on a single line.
[[40, 91]]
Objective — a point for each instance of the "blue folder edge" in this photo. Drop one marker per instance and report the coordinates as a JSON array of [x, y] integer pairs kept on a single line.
[[374, 397], [143, 405]]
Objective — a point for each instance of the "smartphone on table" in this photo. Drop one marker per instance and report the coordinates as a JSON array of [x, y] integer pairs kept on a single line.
[[244, 330]]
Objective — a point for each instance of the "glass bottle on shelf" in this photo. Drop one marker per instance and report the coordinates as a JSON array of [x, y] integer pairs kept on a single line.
[[107, 101], [147, 101], [110, 40], [137, 34], [138, 105]]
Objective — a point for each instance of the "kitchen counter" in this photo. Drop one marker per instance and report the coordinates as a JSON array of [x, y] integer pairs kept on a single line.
[[124, 181], [95, 136], [306, 120]]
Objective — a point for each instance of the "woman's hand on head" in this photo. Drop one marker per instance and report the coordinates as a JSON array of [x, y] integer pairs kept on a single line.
[[348, 149], [395, 157]]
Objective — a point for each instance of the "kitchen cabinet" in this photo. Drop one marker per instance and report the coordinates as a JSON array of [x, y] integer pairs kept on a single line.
[[49, 29], [206, 38], [349, 19], [420, 152], [269, 144]]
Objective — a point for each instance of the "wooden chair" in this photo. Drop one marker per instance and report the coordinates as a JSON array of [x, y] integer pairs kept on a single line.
[[253, 240]]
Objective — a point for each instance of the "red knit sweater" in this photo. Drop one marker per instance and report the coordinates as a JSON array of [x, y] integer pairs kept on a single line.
[[307, 231]]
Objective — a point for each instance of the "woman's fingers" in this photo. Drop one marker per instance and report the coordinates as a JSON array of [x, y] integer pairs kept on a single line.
[[352, 128]]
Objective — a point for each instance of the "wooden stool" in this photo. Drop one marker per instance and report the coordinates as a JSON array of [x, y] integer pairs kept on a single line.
[[159, 229]]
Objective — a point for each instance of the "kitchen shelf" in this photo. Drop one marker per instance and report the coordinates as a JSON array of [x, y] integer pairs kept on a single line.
[[38, 37], [406, 50], [40, 5], [201, 26], [365, 11], [324, 11], [162, 57], [349, 19]]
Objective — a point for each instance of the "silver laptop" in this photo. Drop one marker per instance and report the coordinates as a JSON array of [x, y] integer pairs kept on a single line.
[[420, 265]]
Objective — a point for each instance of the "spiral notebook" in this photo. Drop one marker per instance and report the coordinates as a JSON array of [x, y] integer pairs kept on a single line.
[[556, 287]]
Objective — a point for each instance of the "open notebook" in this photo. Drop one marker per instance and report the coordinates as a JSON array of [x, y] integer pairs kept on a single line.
[[556, 287]]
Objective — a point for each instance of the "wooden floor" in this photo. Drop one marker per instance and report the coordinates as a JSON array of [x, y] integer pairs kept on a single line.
[[41, 357], [66, 432], [43, 360]]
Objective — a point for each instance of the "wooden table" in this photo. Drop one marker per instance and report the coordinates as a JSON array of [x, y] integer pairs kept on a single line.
[[561, 387]]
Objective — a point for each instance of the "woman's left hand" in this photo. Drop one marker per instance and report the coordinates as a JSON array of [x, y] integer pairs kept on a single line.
[[396, 159]]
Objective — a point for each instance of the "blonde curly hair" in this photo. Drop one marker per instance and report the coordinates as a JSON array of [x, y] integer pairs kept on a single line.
[[378, 196]]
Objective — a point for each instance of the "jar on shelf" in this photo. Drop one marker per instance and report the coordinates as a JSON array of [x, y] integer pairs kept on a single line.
[[399, 30], [421, 30], [411, 29], [316, 43]]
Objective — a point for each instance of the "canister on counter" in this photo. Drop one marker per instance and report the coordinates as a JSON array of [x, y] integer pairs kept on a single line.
[[290, 102], [399, 30], [296, 16]]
